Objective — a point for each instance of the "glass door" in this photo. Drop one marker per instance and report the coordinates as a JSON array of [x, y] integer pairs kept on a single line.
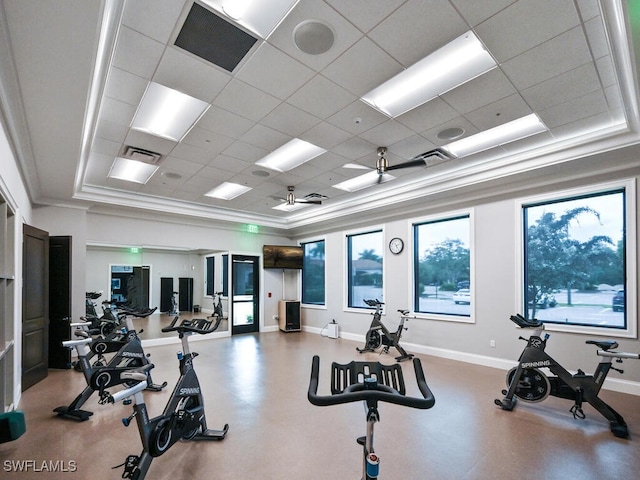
[[245, 293]]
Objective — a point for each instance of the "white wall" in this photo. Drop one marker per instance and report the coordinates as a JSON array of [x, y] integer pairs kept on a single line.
[[68, 222], [15, 193], [168, 263], [496, 280], [151, 232]]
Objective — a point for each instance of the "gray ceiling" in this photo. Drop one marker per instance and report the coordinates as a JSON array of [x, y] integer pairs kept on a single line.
[[68, 105]]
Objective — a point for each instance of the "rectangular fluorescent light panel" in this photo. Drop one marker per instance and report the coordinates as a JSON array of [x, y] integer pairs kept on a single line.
[[167, 113], [259, 16], [505, 133], [456, 63], [131, 170], [285, 207], [369, 179], [290, 155], [228, 191]]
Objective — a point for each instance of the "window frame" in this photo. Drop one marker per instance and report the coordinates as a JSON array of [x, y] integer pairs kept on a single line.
[[347, 269], [453, 215], [319, 306], [629, 186]]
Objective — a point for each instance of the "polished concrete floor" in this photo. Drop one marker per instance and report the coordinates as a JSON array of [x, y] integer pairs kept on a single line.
[[258, 385]]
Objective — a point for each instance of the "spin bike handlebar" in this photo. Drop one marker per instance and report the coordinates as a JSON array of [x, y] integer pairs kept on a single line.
[[373, 303], [201, 326], [137, 374], [74, 343], [139, 313], [377, 392]]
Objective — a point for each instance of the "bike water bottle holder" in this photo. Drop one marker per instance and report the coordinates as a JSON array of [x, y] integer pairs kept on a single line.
[[342, 376]]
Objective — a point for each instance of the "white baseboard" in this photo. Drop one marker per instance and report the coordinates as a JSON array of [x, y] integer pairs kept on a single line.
[[613, 384]]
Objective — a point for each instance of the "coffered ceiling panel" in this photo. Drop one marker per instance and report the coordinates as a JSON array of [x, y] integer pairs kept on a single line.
[[84, 67]]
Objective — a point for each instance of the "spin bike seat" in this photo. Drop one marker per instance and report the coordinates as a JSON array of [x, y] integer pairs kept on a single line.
[[525, 322], [603, 344]]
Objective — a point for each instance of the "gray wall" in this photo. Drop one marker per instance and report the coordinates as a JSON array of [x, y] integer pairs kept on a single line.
[[496, 240]]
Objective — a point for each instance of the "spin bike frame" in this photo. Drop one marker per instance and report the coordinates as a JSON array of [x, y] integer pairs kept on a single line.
[[378, 334], [371, 382], [530, 384], [183, 416], [130, 356], [217, 307]]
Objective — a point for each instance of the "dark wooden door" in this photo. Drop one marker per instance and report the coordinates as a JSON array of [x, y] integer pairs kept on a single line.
[[35, 306], [166, 292], [59, 301], [185, 294]]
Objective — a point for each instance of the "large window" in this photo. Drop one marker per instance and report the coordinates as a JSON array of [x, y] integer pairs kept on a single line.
[[313, 273], [364, 268], [575, 251], [442, 266]]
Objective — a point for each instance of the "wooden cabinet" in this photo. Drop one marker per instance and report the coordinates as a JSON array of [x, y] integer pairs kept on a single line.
[[289, 315]]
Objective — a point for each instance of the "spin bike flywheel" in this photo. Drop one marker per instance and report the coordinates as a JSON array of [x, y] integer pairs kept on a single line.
[[374, 339], [533, 385]]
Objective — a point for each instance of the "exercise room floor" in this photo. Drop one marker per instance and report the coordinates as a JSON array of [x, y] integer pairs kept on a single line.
[[258, 385]]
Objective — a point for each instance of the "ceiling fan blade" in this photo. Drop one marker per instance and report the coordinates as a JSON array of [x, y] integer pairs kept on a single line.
[[312, 202], [411, 163]]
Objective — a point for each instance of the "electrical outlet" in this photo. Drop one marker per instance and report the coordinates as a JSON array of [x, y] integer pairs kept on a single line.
[[492, 343]]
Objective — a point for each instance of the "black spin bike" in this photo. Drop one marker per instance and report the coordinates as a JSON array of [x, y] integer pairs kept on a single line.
[[378, 334], [371, 382], [530, 384], [183, 417], [101, 373]]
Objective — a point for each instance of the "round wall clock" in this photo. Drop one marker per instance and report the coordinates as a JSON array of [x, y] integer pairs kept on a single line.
[[396, 245]]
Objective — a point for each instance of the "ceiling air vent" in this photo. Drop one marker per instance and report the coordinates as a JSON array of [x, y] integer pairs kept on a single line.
[[434, 156], [213, 39], [141, 155]]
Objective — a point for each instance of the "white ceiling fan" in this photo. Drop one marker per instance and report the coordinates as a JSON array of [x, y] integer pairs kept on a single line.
[[291, 199], [382, 164]]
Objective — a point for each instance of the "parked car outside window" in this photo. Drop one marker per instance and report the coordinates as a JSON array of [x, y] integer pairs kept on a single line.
[[462, 296], [617, 304]]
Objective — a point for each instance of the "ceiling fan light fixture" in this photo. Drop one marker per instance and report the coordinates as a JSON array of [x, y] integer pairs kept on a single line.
[[368, 179], [290, 155], [132, 170], [508, 132], [228, 191], [167, 113], [459, 61]]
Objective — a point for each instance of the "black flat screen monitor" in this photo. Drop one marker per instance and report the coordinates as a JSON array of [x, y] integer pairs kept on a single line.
[[282, 256]]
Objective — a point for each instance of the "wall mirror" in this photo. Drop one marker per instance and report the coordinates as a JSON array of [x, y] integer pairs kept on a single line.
[[156, 277]]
